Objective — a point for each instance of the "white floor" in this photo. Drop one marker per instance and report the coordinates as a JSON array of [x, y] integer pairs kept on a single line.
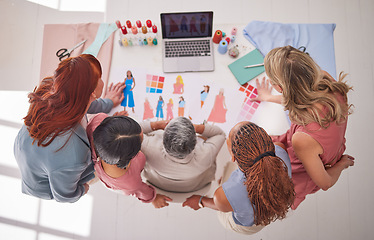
[[344, 212]]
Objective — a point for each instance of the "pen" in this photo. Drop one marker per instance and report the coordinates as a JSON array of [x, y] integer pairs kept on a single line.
[[255, 65]]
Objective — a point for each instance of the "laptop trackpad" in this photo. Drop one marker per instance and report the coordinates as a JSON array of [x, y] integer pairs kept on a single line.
[[188, 64]]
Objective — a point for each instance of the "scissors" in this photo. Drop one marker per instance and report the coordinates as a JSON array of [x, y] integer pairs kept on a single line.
[[65, 53]]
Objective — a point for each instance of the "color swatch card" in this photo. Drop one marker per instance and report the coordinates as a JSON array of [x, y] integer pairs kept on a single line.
[[249, 108], [243, 74], [154, 84]]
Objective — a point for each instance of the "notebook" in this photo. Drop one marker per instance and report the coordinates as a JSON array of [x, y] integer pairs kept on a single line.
[[243, 74], [187, 41]]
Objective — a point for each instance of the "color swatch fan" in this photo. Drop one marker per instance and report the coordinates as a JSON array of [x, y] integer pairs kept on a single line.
[[249, 108]]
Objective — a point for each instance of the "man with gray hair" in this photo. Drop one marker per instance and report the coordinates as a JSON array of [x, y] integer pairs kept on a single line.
[[178, 160]]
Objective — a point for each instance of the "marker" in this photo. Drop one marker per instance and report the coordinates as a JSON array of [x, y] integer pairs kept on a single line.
[[255, 65]]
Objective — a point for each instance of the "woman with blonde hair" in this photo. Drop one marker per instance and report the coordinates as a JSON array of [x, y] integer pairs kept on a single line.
[[318, 109], [259, 190]]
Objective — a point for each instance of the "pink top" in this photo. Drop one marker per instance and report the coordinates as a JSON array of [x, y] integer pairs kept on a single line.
[[131, 182], [332, 141]]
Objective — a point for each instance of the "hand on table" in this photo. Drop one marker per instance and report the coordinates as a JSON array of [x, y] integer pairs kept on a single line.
[[115, 93], [192, 202], [264, 89], [161, 201]]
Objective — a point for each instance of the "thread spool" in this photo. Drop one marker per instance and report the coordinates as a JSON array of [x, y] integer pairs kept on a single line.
[[234, 31], [144, 30], [145, 41], [222, 47], [217, 36], [223, 34], [139, 24], [228, 40], [128, 23], [233, 38], [118, 23], [149, 23], [150, 41], [155, 41], [125, 43], [124, 30], [130, 42], [154, 29], [134, 30], [140, 41]]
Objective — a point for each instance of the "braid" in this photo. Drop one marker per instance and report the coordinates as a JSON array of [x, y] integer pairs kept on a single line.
[[269, 187]]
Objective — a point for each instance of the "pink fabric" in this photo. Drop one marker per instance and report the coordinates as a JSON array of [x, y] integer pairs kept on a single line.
[[332, 141], [57, 36], [131, 182]]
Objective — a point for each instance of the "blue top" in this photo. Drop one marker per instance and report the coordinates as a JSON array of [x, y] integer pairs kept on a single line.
[[181, 104], [237, 194], [51, 174], [203, 96]]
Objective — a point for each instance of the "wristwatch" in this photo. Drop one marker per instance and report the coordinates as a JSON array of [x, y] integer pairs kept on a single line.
[[201, 202]]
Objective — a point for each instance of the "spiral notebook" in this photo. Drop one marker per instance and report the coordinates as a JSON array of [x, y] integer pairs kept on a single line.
[[243, 74]]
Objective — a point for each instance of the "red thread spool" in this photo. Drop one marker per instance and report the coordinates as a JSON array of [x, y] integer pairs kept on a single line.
[[124, 30], [217, 36], [118, 23], [139, 24], [228, 40], [134, 30], [128, 23], [149, 23], [154, 29]]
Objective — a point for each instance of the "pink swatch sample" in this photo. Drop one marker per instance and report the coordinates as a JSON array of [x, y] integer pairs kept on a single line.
[[249, 108]]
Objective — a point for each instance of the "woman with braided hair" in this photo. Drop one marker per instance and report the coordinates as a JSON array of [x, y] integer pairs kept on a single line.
[[259, 190], [318, 109]]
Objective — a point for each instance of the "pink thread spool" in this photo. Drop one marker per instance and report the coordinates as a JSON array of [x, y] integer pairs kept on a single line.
[[134, 30], [234, 30], [124, 30], [139, 24], [154, 29], [149, 23], [128, 23]]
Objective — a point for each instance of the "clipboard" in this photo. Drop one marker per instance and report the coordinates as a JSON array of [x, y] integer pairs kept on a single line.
[[243, 74]]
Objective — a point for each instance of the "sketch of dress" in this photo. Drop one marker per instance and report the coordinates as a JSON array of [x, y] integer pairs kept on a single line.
[[148, 112], [218, 113], [169, 111]]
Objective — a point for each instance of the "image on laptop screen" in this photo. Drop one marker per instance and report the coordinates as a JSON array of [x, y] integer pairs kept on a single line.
[[187, 25]]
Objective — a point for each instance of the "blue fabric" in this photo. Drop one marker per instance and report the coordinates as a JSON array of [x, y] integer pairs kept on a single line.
[[317, 38], [128, 94], [236, 192]]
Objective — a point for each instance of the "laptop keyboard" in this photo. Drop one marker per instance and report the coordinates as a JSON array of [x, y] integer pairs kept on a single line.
[[187, 48]]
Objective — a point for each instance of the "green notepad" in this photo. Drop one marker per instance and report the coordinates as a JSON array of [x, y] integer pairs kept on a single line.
[[242, 74]]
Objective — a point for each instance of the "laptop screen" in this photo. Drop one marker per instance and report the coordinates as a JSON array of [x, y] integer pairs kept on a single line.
[[187, 25]]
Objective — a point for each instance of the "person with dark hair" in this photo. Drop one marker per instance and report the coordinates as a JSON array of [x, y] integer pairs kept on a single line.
[[52, 149], [177, 159], [257, 188], [115, 143]]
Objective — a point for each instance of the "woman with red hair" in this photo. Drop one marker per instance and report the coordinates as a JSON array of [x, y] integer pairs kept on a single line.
[[52, 149]]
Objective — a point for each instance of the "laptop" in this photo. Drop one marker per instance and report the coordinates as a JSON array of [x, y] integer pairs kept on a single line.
[[187, 41]]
